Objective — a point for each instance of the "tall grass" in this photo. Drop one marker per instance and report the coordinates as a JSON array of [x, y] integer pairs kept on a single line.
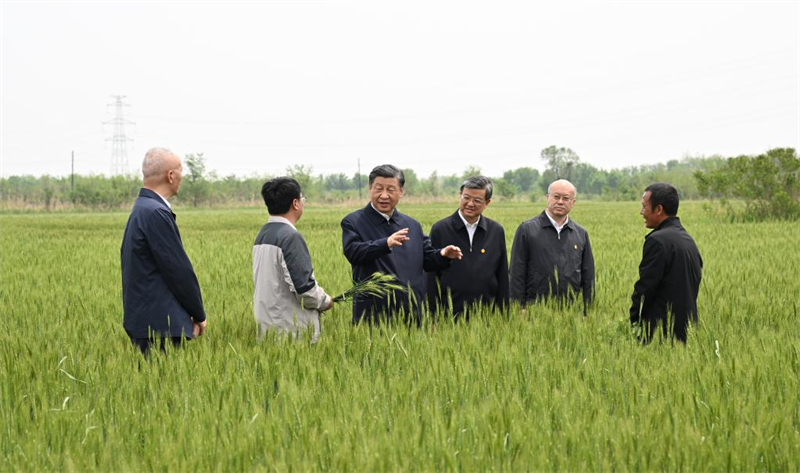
[[545, 390]]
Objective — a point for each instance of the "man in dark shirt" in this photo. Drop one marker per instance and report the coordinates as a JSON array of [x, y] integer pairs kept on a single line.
[[551, 255], [160, 294], [378, 238], [670, 271], [481, 276]]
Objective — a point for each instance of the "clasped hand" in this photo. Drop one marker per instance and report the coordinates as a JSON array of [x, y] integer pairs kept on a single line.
[[198, 329]]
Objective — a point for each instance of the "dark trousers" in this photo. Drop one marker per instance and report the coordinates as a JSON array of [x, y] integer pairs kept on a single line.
[[144, 344], [675, 328]]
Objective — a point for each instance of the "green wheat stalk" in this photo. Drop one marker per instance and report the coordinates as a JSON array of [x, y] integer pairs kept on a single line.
[[377, 285]]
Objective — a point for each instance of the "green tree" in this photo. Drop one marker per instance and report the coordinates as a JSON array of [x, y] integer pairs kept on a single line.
[[337, 182], [431, 186], [196, 187], [503, 188], [412, 184], [471, 171], [768, 183], [560, 161], [305, 177], [523, 178]]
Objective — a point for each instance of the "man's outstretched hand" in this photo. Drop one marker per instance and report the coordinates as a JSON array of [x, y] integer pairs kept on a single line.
[[398, 238], [452, 252]]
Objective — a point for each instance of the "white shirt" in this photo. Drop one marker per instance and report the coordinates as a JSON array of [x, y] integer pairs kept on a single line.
[[387, 217], [555, 224], [471, 227], [165, 200]]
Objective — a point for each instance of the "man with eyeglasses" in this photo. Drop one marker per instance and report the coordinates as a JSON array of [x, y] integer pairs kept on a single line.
[[480, 277], [551, 255], [286, 296], [378, 238]]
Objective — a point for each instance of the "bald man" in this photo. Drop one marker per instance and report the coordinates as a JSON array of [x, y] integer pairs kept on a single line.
[[551, 255], [160, 293]]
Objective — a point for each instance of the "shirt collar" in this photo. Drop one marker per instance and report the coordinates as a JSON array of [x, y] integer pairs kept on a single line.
[[467, 224], [276, 219], [162, 198], [385, 216], [553, 221]]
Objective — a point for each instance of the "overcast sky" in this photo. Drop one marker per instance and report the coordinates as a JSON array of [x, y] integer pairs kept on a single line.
[[429, 86]]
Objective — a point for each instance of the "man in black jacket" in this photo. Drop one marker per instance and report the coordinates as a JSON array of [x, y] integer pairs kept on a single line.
[[551, 255], [481, 276], [160, 293], [671, 268], [378, 238]]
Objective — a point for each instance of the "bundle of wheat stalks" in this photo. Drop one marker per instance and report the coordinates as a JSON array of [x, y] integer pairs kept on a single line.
[[377, 285]]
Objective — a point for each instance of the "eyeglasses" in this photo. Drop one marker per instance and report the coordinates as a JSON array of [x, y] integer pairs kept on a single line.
[[557, 197], [303, 200], [467, 199]]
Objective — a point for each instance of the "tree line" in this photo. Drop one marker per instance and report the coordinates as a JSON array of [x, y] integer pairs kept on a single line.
[[768, 183]]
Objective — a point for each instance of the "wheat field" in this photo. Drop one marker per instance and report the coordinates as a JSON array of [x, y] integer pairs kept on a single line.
[[546, 390]]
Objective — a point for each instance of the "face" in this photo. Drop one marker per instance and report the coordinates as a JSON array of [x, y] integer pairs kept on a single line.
[[385, 193], [175, 175], [473, 202], [560, 199], [652, 217]]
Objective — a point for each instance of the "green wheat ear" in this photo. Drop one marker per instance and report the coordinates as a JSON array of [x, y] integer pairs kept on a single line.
[[377, 285]]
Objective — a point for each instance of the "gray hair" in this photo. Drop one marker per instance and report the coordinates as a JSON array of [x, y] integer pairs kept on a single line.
[[564, 181], [479, 182], [156, 162]]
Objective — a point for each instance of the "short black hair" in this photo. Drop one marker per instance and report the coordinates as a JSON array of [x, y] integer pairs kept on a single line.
[[666, 196], [479, 182], [388, 171], [279, 193]]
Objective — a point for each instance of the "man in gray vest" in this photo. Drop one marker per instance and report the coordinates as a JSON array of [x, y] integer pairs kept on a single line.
[[286, 296]]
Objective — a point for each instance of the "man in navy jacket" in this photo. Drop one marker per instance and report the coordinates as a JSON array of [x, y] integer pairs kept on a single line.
[[481, 276], [380, 238], [160, 293]]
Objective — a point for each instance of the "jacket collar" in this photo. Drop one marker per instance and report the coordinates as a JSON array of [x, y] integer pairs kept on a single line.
[[376, 218], [144, 192], [669, 222], [547, 223], [276, 219], [458, 224]]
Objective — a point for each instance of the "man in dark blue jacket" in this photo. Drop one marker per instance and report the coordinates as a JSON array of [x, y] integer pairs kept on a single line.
[[160, 293], [481, 276], [380, 238]]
